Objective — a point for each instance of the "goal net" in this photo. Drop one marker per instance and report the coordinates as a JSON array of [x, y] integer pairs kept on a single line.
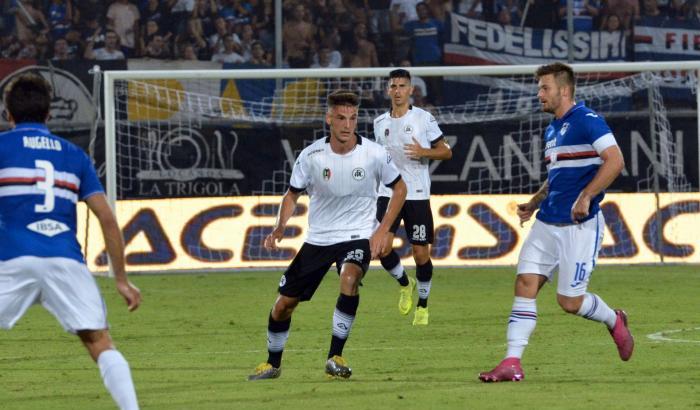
[[179, 137]]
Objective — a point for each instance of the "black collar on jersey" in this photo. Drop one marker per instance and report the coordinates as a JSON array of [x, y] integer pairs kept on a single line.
[[410, 107], [359, 139]]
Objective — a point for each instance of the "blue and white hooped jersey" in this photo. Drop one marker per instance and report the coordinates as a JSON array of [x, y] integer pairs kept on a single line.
[[42, 177], [573, 144]]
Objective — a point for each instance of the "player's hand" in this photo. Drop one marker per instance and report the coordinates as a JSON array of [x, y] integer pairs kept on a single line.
[[525, 212], [131, 294], [580, 208], [271, 240], [378, 243], [414, 150]]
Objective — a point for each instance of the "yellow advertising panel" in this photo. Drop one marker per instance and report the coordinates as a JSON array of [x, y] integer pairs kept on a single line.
[[470, 230]]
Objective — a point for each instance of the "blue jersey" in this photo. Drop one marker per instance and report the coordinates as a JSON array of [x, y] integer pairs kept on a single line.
[[573, 144], [42, 177]]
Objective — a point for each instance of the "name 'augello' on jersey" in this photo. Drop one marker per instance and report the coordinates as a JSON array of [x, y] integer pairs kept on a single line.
[[41, 143]]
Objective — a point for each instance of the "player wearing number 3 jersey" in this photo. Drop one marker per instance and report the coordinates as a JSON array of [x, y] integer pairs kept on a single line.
[[340, 173], [582, 159], [42, 177]]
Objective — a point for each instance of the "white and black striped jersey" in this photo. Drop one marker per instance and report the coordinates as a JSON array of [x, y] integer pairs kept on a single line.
[[342, 188], [393, 133]]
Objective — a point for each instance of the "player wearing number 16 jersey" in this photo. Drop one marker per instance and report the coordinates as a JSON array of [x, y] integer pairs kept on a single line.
[[42, 177], [582, 159], [340, 173], [412, 137]]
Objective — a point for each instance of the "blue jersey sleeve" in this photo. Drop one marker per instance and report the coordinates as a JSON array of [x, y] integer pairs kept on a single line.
[[596, 126], [89, 182]]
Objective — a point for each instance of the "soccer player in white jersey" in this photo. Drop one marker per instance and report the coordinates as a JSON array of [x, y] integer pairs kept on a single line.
[[582, 159], [42, 177], [340, 173], [412, 137]]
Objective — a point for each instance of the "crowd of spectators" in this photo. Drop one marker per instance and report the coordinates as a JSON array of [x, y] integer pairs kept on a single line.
[[316, 33], [232, 31]]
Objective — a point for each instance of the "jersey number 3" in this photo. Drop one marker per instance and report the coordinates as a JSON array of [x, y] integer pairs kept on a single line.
[[45, 186]]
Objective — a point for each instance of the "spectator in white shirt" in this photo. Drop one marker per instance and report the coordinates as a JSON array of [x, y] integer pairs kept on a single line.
[[109, 52], [228, 55]]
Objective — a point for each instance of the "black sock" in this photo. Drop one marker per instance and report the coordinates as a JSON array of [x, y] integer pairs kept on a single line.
[[389, 262], [424, 275]]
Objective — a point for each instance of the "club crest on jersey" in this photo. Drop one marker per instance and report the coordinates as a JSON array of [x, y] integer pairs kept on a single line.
[[408, 129], [358, 174], [386, 132], [564, 128], [326, 173]]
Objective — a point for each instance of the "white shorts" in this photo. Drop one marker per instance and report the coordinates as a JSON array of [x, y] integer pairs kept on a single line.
[[63, 286], [571, 248]]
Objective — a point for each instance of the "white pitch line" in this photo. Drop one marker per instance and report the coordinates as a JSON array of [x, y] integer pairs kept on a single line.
[[662, 336]]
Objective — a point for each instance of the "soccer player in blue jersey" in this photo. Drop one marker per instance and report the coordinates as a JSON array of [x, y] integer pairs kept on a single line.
[[42, 177], [582, 159]]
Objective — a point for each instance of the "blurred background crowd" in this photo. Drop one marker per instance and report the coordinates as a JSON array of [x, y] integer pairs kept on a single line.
[[316, 33]]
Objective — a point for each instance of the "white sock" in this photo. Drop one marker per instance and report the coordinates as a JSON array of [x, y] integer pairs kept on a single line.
[[342, 323], [424, 289], [521, 324], [593, 308], [117, 378], [397, 271]]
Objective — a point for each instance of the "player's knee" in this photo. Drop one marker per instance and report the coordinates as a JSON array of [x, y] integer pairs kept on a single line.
[[569, 304], [283, 308], [96, 341], [350, 278], [421, 254], [527, 285]]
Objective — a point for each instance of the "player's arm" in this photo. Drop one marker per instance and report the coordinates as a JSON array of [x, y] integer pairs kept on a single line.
[[526, 210], [377, 242], [439, 150], [114, 242], [287, 206], [613, 163]]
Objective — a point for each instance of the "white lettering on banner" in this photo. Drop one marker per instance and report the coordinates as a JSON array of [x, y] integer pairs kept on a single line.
[[500, 164], [535, 43]]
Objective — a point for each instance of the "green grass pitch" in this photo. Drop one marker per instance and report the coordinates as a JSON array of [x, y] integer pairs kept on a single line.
[[196, 338]]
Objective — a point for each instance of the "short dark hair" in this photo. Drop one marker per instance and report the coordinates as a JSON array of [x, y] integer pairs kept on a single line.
[[399, 73], [343, 97], [563, 74], [28, 98]]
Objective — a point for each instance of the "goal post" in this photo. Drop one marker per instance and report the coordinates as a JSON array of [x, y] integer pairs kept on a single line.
[[151, 114]]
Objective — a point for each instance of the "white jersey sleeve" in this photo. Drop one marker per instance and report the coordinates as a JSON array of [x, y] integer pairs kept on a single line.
[[300, 177], [432, 129]]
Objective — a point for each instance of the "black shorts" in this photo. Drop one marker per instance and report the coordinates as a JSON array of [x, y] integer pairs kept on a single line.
[[417, 219], [304, 274]]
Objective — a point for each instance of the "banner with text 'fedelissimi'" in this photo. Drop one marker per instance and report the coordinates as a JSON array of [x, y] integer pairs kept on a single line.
[[474, 42]]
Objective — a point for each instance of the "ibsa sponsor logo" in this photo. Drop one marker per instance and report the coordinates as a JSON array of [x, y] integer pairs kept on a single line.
[[48, 227]]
